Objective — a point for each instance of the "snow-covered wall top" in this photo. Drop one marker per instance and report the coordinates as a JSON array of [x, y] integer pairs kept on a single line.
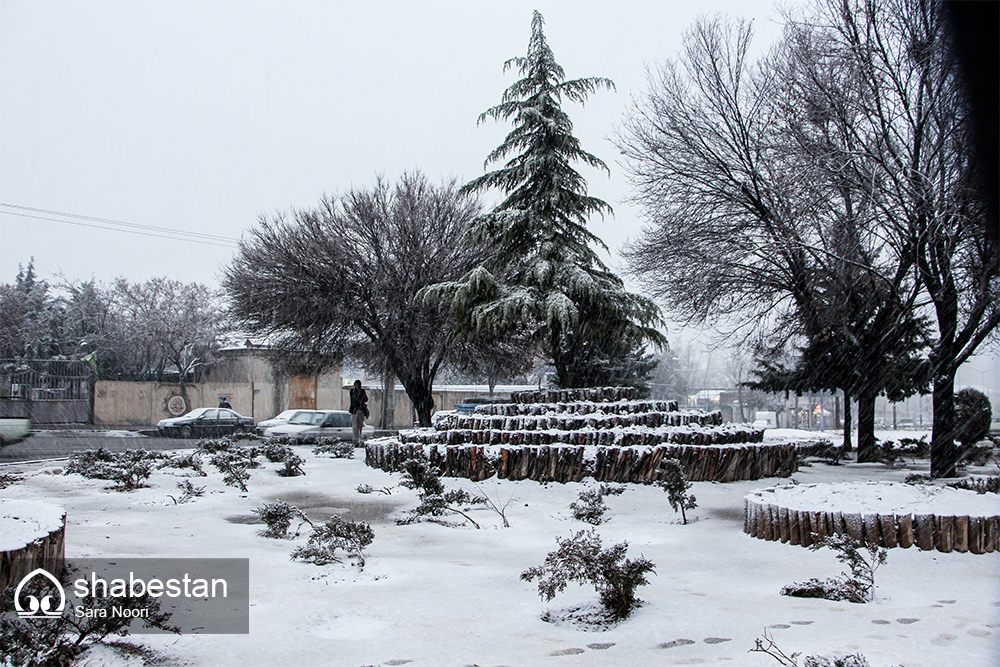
[[24, 521], [577, 421], [578, 407], [565, 395]]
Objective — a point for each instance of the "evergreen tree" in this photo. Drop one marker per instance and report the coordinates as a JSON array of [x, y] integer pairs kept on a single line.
[[973, 414], [613, 362], [541, 273]]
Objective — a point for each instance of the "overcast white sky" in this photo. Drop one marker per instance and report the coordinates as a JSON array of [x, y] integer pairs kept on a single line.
[[203, 115]]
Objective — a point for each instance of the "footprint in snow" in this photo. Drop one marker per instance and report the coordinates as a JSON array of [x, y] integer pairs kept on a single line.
[[567, 651], [881, 621], [779, 626], [600, 647], [802, 622], [907, 621], [717, 640], [676, 642], [397, 662]]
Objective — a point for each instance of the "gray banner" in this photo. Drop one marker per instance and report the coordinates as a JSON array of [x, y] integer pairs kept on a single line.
[[201, 595]]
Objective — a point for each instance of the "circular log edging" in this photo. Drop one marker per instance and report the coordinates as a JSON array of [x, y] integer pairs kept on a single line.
[[46, 549], [571, 464], [927, 532]]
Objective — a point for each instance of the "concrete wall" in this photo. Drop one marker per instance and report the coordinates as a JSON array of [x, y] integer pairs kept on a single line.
[[249, 382]]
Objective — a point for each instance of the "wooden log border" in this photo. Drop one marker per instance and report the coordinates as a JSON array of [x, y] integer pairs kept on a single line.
[[927, 532], [562, 463], [594, 437], [48, 553]]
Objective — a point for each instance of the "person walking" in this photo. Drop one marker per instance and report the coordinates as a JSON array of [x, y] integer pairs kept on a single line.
[[358, 409]]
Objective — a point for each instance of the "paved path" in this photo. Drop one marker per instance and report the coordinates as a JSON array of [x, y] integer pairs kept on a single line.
[[58, 444]]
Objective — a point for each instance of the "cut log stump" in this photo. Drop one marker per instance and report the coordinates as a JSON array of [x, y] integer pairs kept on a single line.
[[32, 536], [768, 519]]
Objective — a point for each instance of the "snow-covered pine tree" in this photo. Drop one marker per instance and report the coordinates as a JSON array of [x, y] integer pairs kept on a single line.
[[542, 273]]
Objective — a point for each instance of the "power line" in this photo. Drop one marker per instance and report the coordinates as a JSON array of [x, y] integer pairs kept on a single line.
[[121, 226], [115, 229]]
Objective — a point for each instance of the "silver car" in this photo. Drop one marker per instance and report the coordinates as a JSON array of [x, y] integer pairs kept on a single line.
[[277, 420], [311, 424]]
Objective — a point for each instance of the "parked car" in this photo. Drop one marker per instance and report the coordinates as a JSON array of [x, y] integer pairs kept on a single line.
[[277, 420], [205, 423], [12, 430], [468, 406], [308, 424]]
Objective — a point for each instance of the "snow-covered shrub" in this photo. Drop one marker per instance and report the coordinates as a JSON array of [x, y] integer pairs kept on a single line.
[[973, 414], [977, 454], [435, 501], [229, 443], [278, 517], [856, 588], [188, 492], [767, 645], [275, 452], [419, 474], [676, 484], [293, 465], [51, 642], [580, 559], [190, 461], [6, 479], [830, 453], [334, 447], [891, 452], [234, 463], [350, 537], [853, 660], [590, 505], [128, 470], [368, 488]]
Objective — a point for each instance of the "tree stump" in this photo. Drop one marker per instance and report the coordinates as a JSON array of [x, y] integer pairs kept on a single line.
[[32, 536], [768, 517]]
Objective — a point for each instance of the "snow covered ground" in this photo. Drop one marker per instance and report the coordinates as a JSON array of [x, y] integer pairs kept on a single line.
[[436, 595]]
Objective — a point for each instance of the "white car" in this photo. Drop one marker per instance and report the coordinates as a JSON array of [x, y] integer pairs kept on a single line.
[[12, 430], [277, 420], [310, 424]]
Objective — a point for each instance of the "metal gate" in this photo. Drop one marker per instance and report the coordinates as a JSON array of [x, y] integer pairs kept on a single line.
[[302, 392], [51, 391]]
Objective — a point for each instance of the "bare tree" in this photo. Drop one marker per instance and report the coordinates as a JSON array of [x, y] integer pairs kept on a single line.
[[342, 277], [910, 128], [743, 229], [162, 327]]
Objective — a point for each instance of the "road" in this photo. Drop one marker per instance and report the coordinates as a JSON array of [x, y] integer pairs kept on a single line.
[[59, 444]]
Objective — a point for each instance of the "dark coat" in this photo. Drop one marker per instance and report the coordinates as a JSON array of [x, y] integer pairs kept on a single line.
[[359, 401]]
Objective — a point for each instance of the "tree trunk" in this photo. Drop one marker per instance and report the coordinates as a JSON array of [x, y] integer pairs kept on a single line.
[[866, 425], [558, 359], [847, 421], [421, 398], [944, 453], [387, 418]]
